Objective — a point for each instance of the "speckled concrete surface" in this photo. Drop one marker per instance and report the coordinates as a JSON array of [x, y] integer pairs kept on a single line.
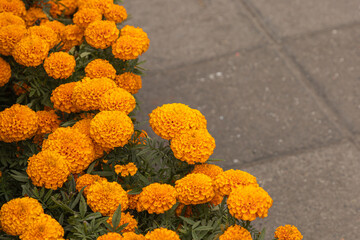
[[278, 82]]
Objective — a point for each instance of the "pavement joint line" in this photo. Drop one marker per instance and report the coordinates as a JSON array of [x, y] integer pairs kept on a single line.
[[299, 73], [292, 153]]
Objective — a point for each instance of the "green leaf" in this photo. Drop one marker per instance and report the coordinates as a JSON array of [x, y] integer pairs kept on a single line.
[[262, 234], [91, 167], [82, 207], [135, 191], [187, 220], [116, 217], [19, 176]]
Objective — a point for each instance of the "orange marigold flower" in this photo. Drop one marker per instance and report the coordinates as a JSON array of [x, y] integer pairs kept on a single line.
[[111, 236], [71, 36], [61, 97], [133, 236], [227, 181], [129, 81], [157, 198], [45, 33], [180, 209], [193, 146], [100, 5], [116, 13], [248, 202], [44, 227], [56, 26], [88, 92], [162, 233], [17, 123], [7, 18], [111, 129], [48, 122], [101, 34], [48, 169], [117, 99], [16, 214], [66, 7], [76, 147], [127, 48], [170, 120], [287, 232], [100, 68], [85, 16], [126, 218], [60, 65], [195, 188], [16, 7], [9, 36], [5, 72], [31, 51], [105, 197], [137, 33], [87, 180], [34, 14], [133, 200], [236, 232], [126, 170], [210, 170]]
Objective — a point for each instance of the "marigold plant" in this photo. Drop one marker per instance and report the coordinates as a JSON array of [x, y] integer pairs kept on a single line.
[[117, 99], [162, 233], [60, 65], [287, 232], [100, 68], [62, 99], [115, 13], [126, 218], [129, 81], [236, 232], [85, 16], [31, 51], [226, 181], [126, 170], [8, 18], [87, 180], [101, 33], [9, 36]]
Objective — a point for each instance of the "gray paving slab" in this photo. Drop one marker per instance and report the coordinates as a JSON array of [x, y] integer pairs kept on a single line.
[[332, 62], [255, 108], [295, 17], [187, 31], [317, 191]]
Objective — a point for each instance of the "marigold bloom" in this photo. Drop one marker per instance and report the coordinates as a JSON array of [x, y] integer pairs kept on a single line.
[[170, 120], [126, 170], [87, 180], [16, 214], [34, 14], [116, 13], [71, 36], [227, 181], [126, 218], [157, 198], [127, 48], [45, 33], [76, 147], [195, 188], [248, 202], [287, 232], [48, 122], [88, 92], [85, 16], [66, 7], [5, 72], [210, 170], [138, 34], [20, 88], [129, 81], [193, 146], [162, 233], [117, 99], [9, 36], [105, 197], [100, 68], [236, 232], [133, 236], [111, 129], [101, 34], [61, 97], [48, 169], [56, 26], [44, 227], [100, 5], [17, 123], [111, 236], [7, 18], [60, 65], [31, 51], [133, 201], [16, 7]]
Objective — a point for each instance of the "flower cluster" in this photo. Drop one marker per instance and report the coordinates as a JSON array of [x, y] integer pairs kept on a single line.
[[126, 170]]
